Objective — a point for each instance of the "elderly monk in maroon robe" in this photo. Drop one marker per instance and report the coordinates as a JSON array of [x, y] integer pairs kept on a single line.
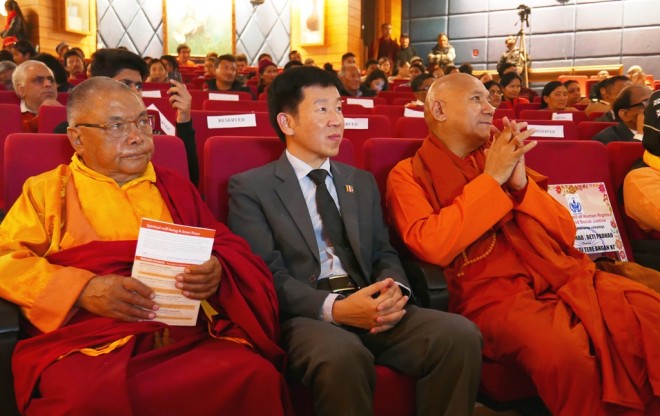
[[66, 252]]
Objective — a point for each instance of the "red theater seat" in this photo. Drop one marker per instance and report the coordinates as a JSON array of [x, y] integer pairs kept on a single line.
[[567, 129], [379, 126], [411, 127], [576, 116], [11, 123], [588, 129]]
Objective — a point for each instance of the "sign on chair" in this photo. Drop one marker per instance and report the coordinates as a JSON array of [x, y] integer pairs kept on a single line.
[[597, 230]]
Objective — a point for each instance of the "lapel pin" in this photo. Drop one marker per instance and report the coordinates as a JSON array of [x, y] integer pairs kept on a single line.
[[349, 189]]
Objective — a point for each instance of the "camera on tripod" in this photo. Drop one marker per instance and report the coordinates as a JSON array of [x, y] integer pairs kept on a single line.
[[524, 12]]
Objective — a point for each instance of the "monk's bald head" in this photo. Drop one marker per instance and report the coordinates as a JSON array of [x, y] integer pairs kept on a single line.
[[92, 93]]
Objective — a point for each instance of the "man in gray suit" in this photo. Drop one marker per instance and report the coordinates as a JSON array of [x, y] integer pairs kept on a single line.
[[628, 109], [342, 291]]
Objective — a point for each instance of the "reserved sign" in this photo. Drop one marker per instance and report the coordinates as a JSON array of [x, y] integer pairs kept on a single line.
[[547, 131], [152, 94], [562, 116], [356, 123], [364, 102], [408, 112], [223, 97], [231, 121], [597, 230]]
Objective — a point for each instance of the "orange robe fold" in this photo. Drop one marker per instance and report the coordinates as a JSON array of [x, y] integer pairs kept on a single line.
[[587, 338]]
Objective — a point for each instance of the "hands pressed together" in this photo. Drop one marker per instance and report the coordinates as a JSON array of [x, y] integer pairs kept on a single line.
[[377, 314], [505, 159], [128, 299]]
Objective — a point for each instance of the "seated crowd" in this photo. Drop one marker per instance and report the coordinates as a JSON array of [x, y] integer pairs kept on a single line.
[[303, 284]]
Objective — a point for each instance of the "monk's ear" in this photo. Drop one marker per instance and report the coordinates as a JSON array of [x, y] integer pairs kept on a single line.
[[285, 121], [75, 139], [438, 110]]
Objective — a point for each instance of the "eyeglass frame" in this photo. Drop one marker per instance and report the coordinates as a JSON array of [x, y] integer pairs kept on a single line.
[[106, 126], [642, 103]]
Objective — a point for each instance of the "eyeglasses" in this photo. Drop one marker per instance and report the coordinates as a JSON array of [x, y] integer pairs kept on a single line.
[[495, 92], [130, 84], [121, 129], [39, 80], [641, 103], [420, 89]]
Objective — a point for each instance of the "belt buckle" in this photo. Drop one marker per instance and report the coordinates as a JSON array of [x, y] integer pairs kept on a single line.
[[347, 288]]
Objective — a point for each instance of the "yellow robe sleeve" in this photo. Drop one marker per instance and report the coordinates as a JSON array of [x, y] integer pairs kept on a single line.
[[31, 230], [641, 195]]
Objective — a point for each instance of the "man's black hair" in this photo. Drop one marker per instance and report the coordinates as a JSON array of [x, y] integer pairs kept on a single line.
[[417, 82], [109, 62], [286, 91]]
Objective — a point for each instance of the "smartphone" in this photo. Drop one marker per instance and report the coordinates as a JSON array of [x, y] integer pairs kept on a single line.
[[175, 75]]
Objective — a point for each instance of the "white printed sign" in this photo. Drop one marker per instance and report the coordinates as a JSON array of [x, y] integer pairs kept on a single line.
[[547, 131], [223, 97], [231, 121], [356, 123], [165, 125], [366, 103], [597, 230], [152, 94], [408, 112], [562, 116]]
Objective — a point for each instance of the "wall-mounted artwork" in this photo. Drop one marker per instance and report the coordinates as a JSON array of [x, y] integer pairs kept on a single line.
[[77, 15], [203, 25], [312, 22]]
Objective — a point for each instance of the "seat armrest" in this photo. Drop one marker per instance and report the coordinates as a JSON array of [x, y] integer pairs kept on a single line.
[[8, 317], [428, 284]]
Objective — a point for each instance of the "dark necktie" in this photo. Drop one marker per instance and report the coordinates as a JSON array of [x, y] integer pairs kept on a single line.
[[333, 226]]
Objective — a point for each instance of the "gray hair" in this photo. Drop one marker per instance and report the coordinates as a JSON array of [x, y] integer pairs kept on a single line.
[[5, 65], [18, 77], [79, 97]]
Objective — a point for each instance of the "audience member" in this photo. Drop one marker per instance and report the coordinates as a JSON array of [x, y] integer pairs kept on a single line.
[[369, 67], [555, 97], [157, 72], [75, 65], [416, 70], [435, 70], [309, 62], [342, 291], [61, 49], [241, 62], [588, 339], [79, 52], [376, 81], [420, 86], [264, 56], [494, 93], [295, 56], [402, 73], [267, 73], [212, 54], [485, 77], [348, 59], [450, 69], [406, 52], [511, 84], [225, 76], [352, 83], [170, 62], [386, 46], [91, 322], [574, 94], [15, 24], [22, 51], [209, 67], [7, 68], [442, 53], [292, 64], [183, 56], [641, 188], [594, 92], [385, 65], [58, 70], [628, 108], [608, 90], [465, 68], [34, 83]]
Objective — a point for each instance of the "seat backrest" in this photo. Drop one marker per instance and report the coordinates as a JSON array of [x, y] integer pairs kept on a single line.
[[11, 123], [389, 96], [55, 149], [595, 114], [576, 116], [548, 129], [402, 88], [226, 156], [504, 112], [381, 154], [355, 110], [518, 108], [577, 161], [163, 105], [378, 126], [393, 112], [9, 97], [50, 116], [588, 129], [411, 127], [241, 105]]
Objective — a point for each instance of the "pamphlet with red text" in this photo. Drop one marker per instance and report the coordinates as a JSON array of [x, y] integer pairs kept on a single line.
[[163, 251]]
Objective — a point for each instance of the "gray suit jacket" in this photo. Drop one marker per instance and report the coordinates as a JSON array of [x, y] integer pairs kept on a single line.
[[618, 133], [267, 208]]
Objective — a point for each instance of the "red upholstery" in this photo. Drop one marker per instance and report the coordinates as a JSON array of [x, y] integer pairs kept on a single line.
[[243, 105], [355, 110], [402, 101], [588, 84], [411, 127], [595, 114], [379, 126], [570, 129], [402, 88], [203, 132], [11, 123], [9, 97], [579, 161], [504, 112], [578, 116], [393, 112], [525, 106], [50, 117], [196, 83], [389, 96], [55, 149], [588, 129], [163, 104], [621, 156], [152, 86]]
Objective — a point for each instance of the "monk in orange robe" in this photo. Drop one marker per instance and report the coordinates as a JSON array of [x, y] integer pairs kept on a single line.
[[588, 339], [66, 252]]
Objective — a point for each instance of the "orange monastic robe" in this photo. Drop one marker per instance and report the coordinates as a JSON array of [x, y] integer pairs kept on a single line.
[[588, 339]]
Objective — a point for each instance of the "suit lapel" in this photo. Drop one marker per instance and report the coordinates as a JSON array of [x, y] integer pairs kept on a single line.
[[346, 194], [292, 198]]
